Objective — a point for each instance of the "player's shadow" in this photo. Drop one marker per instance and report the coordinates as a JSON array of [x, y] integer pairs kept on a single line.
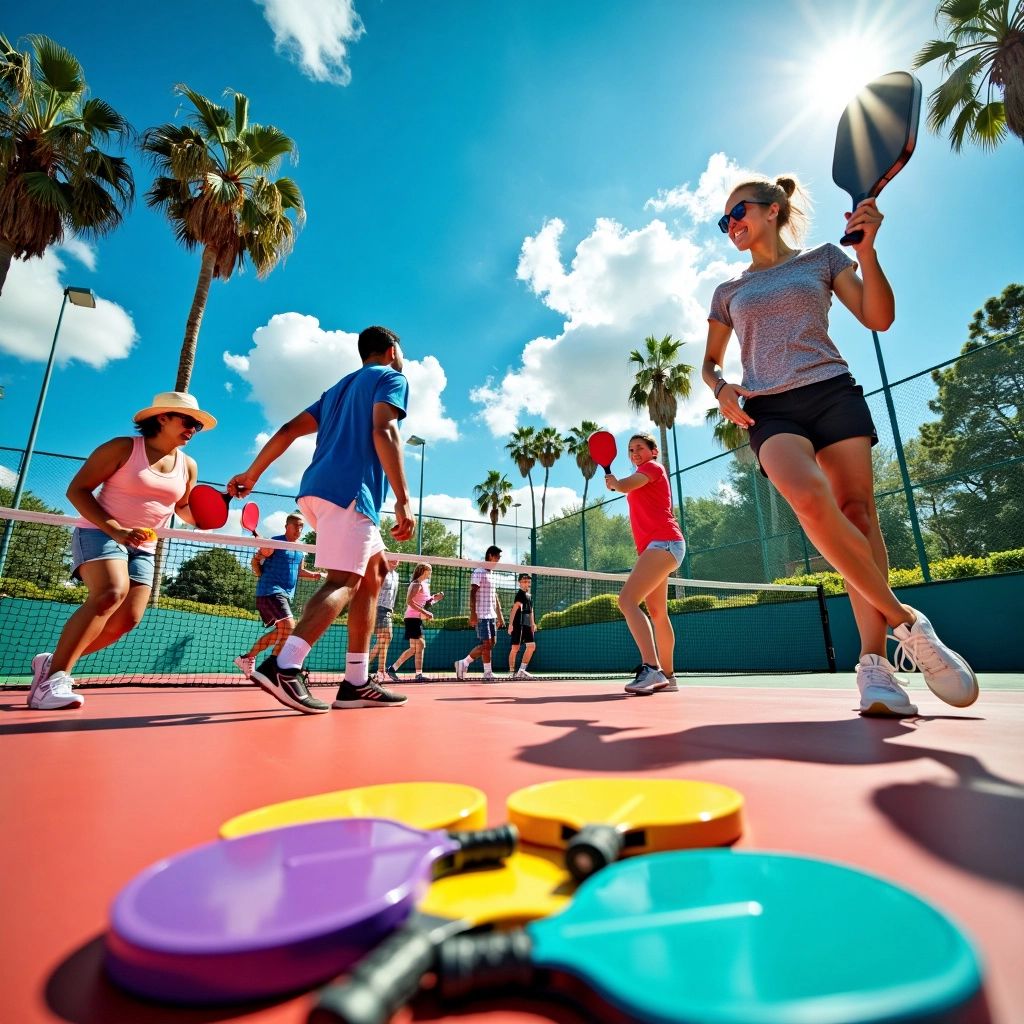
[[572, 698], [76, 723]]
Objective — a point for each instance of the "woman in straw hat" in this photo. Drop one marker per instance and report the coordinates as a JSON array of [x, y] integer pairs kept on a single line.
[[141, 482]]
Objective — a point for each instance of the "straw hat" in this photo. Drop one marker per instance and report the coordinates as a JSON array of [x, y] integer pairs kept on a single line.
[[176, 401]]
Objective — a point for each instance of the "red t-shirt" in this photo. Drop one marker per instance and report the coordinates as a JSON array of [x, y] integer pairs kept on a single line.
[[650, 508]]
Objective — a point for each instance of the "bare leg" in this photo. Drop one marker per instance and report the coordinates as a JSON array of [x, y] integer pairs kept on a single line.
[[273, 637], [404, 656], [664, 634], [124, 619], [512, 652], [847, 465], [789, 462], [420, 646], [327, 604], [363, 612], [652, 569], [528, 650], [108, 583]]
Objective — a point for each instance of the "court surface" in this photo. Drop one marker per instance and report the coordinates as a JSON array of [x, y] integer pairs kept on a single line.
[[90, 797]]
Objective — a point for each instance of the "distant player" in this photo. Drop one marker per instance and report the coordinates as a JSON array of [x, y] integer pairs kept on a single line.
[[522, 626], [383, 628], [418, 602], [280, 571], [485, 615]]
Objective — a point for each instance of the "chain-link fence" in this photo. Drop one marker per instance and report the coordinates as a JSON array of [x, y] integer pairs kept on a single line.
[[949, 473]]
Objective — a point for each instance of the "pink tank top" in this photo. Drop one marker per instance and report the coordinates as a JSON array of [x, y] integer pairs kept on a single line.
[[138, 495]]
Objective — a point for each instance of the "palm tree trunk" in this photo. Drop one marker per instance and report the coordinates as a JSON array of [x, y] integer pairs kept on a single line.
[[533, 515], [663, 431], [6, 254], [187, 360], [544, 495], [494, 527]]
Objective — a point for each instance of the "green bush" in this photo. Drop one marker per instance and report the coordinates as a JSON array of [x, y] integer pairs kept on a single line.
[[455, 622], [225, 611], [905, 577], [958, 566], [19, 588], [696, 603], [740, 601], [1007, 561], [602, 608], [831, 582]]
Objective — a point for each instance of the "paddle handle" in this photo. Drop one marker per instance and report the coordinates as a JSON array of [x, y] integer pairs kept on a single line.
[[592, 848], [852, 238], [484, 846], [381, 983], [467, 964]]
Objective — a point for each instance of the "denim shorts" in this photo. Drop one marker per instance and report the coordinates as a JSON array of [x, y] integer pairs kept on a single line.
[[97, 546], [384, 618], [676, 548], [486, 629]]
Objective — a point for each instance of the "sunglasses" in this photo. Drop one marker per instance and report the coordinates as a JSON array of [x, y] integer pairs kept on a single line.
[[738, 212], [188, 422]]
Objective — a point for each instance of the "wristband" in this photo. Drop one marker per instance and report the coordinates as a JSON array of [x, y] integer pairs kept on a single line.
[[718, 387]]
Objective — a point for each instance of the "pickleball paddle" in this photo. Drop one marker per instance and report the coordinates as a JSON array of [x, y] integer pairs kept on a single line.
[[275, 911], [530, 884], [602, 448], [597, 821], [736, 938], [424, 805], [876, 137], [209, 506], [251, 517]]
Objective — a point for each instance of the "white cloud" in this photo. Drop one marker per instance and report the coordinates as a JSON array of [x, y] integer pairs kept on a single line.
[[31, 303], [706, 202], [8, 478], [315, 34], [294, 360]]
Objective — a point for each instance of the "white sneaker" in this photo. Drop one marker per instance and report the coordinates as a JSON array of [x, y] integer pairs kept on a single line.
[[671, 686], [488, 677], [54, 693], [245, 665], [460, 670], [880, 690], [523, 674], [945, 672], [40, 670], [648, 681]]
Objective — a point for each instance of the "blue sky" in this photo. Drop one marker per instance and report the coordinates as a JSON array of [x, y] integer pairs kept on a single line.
[[523, 191]]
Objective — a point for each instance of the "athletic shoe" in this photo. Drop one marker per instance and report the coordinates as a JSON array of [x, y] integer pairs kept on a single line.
[[880, 690], [369, 696], [945, 672], [289, 686], [245, 665], [460, 670], [421, 678], [671, 686], [54, 693], [488, 677], [649, 680], [40, 670], [392, 674], [523, 674]]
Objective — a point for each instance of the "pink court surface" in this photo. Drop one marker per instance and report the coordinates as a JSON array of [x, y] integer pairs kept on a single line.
[[90, 797]]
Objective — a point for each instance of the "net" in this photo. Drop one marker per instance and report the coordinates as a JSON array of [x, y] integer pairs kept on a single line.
[[204, 616]]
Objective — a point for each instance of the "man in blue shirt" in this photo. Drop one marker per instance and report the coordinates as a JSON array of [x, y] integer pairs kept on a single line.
[[358, 453], [280, 570]]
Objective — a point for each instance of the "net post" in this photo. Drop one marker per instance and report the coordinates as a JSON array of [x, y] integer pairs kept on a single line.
[[826, 629]]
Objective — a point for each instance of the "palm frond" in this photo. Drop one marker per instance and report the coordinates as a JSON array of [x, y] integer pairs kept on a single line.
[[56, 67], [933, 50], [267, 145], [102, 122]]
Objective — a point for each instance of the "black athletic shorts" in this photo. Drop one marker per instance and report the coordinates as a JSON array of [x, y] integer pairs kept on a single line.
[[413, 629], [273, 608], [824, 412], [522, 634]]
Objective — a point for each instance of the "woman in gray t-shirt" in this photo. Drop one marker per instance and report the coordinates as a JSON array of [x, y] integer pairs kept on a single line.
[[809, 424]]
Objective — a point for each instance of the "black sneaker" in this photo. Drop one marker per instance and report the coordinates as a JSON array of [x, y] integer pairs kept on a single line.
[[288, 686], [371, 695]]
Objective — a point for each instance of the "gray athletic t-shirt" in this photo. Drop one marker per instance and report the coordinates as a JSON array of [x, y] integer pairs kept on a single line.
[[780, 316]]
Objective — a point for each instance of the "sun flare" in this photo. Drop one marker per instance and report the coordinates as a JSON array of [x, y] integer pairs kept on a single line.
[[843, 67]]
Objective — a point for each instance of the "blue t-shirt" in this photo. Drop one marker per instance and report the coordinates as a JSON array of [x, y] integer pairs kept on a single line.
[[345, 463], [280, 572]]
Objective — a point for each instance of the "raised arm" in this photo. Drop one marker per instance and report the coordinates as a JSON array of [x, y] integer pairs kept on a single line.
[[242, 484], [869, 299]]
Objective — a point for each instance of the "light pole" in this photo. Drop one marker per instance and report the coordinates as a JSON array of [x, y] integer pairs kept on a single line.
[[418, 442], [77, 297], [517, 505]]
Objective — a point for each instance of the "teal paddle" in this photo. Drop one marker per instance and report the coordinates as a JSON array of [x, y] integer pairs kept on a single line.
[[721, 937]]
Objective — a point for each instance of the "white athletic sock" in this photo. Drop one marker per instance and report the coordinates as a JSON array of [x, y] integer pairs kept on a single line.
[[293, 653], [356, 669], [487, 668], [467, 661]]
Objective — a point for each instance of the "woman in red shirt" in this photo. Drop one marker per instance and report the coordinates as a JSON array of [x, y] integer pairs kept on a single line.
[[660, 546]]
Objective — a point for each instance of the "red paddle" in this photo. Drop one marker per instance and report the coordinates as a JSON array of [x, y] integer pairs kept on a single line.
[[209, 506], [602, 449], [251, 517]]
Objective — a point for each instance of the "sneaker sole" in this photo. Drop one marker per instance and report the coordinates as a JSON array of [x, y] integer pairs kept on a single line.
[[646, 691], [460, 672], [879, 709], [37, 674], [74, 702], [351, 705], [285, 698], [960, 701], [241, 668]]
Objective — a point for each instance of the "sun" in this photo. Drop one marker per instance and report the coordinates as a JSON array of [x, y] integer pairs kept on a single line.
[[840, 69]]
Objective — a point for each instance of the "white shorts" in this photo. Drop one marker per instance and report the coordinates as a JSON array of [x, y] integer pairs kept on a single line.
[[345, 539]]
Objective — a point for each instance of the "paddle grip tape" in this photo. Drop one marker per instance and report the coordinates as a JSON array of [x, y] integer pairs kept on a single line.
[[592, 848], [484, 846], [492, 960], [381, 983]]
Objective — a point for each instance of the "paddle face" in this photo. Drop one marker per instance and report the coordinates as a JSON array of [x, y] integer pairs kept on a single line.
[[425, 805], [759, 938], [251, 517], [209, 506], [262, 914], [644, 815], [876, 137], [602, 448]]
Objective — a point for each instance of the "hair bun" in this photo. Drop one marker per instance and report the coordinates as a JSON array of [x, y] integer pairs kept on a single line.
[[786, 183]]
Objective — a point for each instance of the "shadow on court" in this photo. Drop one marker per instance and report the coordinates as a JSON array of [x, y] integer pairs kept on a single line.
[[74, 722]]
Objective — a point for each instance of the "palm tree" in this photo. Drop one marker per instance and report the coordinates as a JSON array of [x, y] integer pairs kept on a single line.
[[549, 448], [729, 436], [54, 177], [660, 383], [214, 185], [576, 445], [523, 452], [982, 53], [493, 498]]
